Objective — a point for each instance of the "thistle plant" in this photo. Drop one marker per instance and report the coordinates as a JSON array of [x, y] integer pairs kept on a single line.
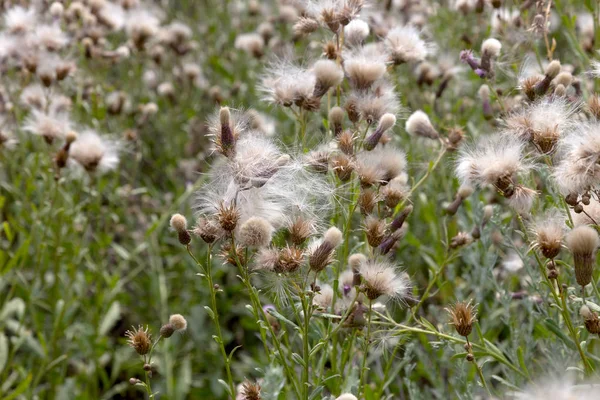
[[347, 199]]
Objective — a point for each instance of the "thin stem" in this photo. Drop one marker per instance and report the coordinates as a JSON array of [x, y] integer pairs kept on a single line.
[[213, 299], [306, 309], [431, 168], [363, 368], [256, 305]]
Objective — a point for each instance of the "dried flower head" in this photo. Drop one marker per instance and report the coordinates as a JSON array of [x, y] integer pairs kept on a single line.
[[178, 322], [255, 232], [462, 316], [322, 253], [583, 242], [250, 391], [404, 45], [418, 124], [95, 153], [549, 232], [382, 278], [139, 339]]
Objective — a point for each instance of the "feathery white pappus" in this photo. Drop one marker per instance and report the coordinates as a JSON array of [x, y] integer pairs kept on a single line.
[[404, 45]]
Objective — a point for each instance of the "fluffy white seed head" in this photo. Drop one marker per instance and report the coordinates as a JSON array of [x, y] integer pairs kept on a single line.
[[582, 240], [418, 124], [382, 278], [324, 297], [386, 122], [56, 9], [327, 73], [553, 69], [178, 322], [333, 236], [564, 78], [255, 232], [178, 222], [365, 66], [405, 45], [356, 32], [484, 92], [346, 396], [465, 191], [491, 46], [95, 153], [356, 260]]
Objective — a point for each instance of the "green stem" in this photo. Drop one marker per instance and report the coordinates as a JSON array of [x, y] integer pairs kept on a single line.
[[213, 300], [363, 368], [256, 305]]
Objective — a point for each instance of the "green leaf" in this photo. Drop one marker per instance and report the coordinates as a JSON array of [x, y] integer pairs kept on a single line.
[[210, 312], [282, 318], [20, 389], [298, 359], [110, 318], [551, 325], [226, 386], [521, 358], [3, 351]]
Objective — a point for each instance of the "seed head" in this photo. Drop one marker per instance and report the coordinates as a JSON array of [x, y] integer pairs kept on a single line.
[[549, 233], [250, 391], [590, 319], [255, 232], [347, 396], [208, 230], [385, 123], [328, 75], [336, 117], [228, 216], [290, 259], [382, 278], [178, 222], [321, 256], [167, 331], [139, 339], [583, 242], [462, 316], [418, 124], [374, 230], [178, 322]]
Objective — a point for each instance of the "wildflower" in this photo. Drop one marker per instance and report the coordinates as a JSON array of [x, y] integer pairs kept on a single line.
[[484, 95], [380, 165], [386, 122], [418, 124], [549, 233], [321, 255], [140, 340], [522, 199], [95, 153], [251, 43], [543, 123], [305, 26], [179, 224], [462, 316], [255, 232], [375, 230], [324, 297], [356, 32], [590, 319], [300, 229], [228, 216], [50, 37], [250, 391], [364, 66], [328, 74], [208, 230], [290, 259], [50, 126], [19, 20], [371, 105], [463, 192], [178, 322], [578, 169], [490, 49], [167, 330], [336, 117], [382, 278], [405, 45], [552, 70], [286, 84], [583, 242], [495, 160]]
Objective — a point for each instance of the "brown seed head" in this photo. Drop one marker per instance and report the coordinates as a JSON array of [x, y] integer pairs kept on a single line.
[[462, 316], [250, 391], [228, 216], [208, 230], [583, 242], [367, 201], [346, 142], [290, 259], [139, 339], [590, 319], [375, 230], [342, 166], [300, 230]]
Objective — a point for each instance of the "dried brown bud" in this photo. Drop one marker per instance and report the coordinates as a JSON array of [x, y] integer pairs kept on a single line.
[[139, 339], [250, 391], [590, 319], [462, 316], [290, 259], [228, 216], [375, 230], [167, 330]]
